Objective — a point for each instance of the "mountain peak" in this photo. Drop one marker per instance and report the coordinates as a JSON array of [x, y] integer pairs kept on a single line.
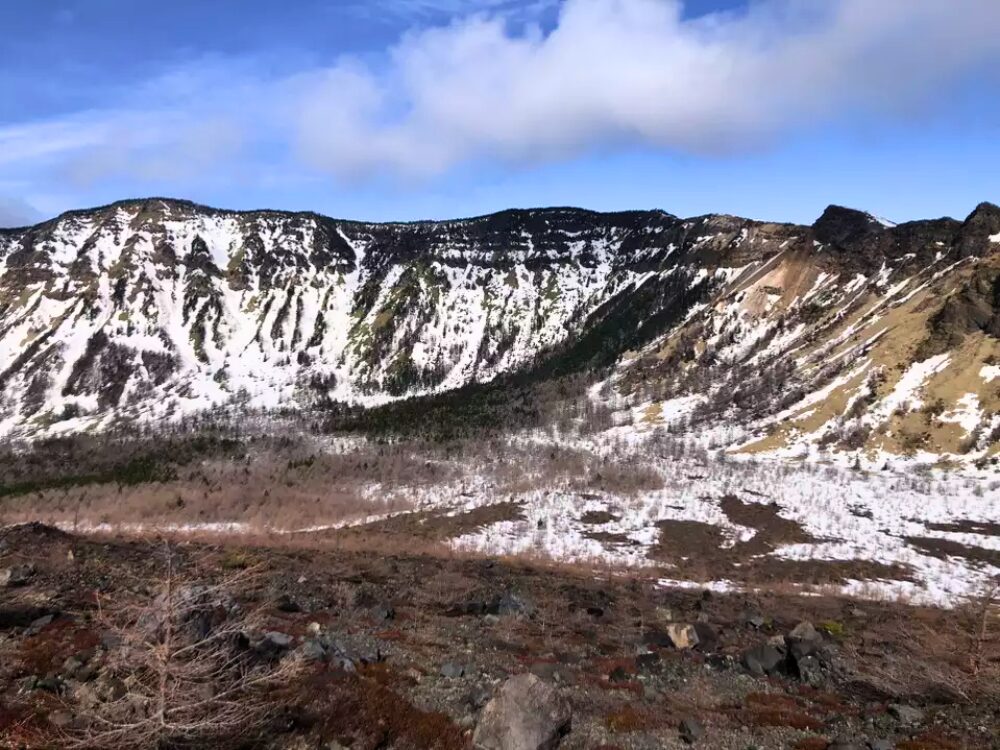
[[985, 211], [840, 224]]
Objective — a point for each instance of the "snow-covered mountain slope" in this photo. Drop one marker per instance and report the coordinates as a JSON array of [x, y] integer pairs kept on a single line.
[[856, 340], [157, 308], [848, 331]]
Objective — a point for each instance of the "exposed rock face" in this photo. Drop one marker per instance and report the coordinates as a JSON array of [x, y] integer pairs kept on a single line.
[[156, 308], [525, 714]]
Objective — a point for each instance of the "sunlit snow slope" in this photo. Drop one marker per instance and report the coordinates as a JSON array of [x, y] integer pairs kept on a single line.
[[850, 330], [855, 338]]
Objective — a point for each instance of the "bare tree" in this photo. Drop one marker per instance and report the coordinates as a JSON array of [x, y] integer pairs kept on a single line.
[[984, 612], [186, 670]]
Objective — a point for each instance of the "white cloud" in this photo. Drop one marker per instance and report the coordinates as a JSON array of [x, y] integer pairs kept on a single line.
[[174, 127], [486, 88], [626, 71]]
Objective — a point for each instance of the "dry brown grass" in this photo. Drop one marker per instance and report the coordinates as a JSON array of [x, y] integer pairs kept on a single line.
[[956, 658]]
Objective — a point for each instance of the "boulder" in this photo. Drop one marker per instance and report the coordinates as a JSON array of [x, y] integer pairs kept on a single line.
[[618, 674], [810, 670], [906, 715], [37, 626], [525, 713], [656, 638], [664, 614], [272, 645], [763, 660], [549, 671], [313, 650], [682, 636], [708, 640], [754, 619], [691, 730], [383, 613], [18, 575], [452, 671], [647, 662], [478, 697], [803, 640], [882, 745]]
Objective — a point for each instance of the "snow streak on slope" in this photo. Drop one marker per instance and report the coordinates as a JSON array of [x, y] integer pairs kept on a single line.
[[157, 309], [861, 346], [852, 336]]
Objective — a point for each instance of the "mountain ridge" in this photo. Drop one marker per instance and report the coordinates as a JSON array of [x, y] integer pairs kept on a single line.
[[149, 309]]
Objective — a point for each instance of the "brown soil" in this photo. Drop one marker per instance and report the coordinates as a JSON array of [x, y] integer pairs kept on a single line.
[[942, 548], [587, 628], [699, 551]]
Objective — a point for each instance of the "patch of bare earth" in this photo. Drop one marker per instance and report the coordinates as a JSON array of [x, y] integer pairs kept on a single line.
[[944, 548], [704, 552], [600, 640]]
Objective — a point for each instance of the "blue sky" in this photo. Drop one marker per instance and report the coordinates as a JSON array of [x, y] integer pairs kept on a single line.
[[405, 109]]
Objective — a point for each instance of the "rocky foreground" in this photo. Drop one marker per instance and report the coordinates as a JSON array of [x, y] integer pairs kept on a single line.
[[144, 643]]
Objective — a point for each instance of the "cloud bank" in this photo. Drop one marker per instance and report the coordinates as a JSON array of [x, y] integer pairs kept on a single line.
[[492, 87], [617, 72]]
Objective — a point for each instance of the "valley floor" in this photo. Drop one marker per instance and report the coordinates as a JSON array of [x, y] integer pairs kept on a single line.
[[654, 506]]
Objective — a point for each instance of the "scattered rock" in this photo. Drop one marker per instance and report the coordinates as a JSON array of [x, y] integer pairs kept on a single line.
[[682, 636], [804, 631], [906, 715], [22, 615], [548, 671], [803, 640], [754, 619], [383, 613], [287, 604], [77, 667], [778, 641], [664, 614], [691, 730], [278, 640], [647, 662], [708, 639], [763, 660], [618, 674], [18, 575], [845, 744], [656, 638], [478, 697], [313, 650], [452, 671], [512, 604], [810, 671], [272, 644], [37, 626], [524, 714]]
